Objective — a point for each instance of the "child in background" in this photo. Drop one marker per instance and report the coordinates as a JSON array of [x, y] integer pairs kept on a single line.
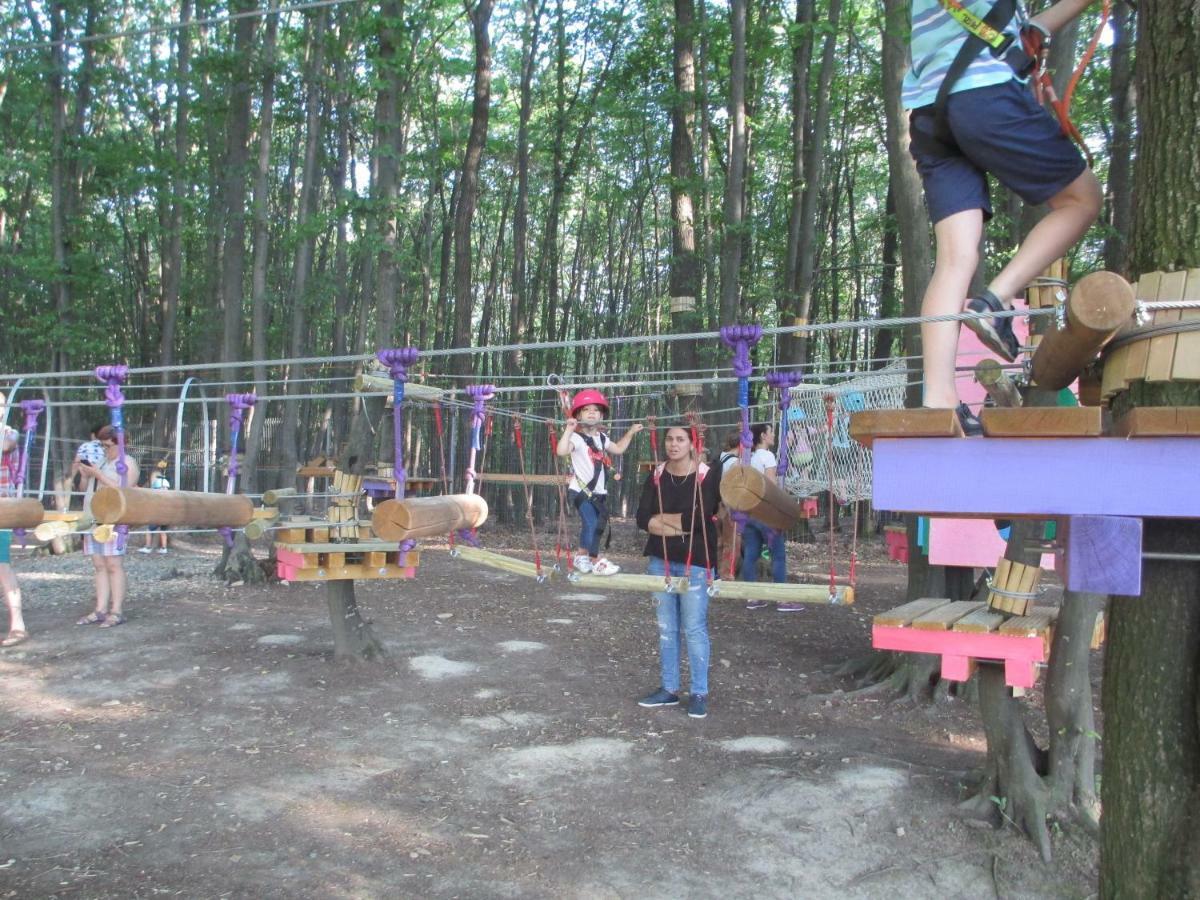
[[158, 482], [8, 581], [590, 451]]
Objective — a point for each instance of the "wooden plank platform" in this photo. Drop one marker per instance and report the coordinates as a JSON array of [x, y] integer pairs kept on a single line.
[[1073, 476], [871, 424], [1159, 421], [965, 632], [1045, 422], [355, 572]]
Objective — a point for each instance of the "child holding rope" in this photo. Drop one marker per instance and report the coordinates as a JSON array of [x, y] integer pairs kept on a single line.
[[677, 507], [8, 580], [590, 452], [972, 114]]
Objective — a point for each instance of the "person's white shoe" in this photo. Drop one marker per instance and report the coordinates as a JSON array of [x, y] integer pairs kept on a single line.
[[162, 549], [582, 563], [143, 549], [603, 567]]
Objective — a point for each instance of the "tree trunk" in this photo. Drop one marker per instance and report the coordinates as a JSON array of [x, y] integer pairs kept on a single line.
[[735, 175], [1151, 791], [260, 259], [468, 195], [685, 263], [1120, 147]]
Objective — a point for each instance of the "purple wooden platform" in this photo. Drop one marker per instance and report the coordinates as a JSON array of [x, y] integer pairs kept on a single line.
[[1050, 477]]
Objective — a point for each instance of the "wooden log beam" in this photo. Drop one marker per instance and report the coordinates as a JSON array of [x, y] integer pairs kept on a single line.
[[272, 498], [745, 489], [781, 593], [418, 517], [142, 506], [20, 513], [990, 374], [1098, 306], [57, 525]]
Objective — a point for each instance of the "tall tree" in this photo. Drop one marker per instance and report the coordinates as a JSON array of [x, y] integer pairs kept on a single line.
[[468, 197], [1151, 788]]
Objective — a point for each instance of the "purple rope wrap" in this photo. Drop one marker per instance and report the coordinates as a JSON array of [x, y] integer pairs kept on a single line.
[[739, 339], [739, 519], [398, 360], [32, 409], [464, 535], [783, 382], [238, 404], [114, 377], [481, 394]]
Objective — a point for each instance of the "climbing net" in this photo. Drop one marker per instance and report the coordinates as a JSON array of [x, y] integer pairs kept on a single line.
[[819, 450]]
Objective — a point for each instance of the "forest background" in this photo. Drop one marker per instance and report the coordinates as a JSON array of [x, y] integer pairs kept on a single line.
[[195, 183]]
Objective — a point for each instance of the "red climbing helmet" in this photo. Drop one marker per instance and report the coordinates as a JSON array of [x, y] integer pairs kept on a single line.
[[588, 397]]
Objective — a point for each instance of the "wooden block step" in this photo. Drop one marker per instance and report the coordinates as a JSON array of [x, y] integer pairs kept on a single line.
[[1159, 421], [902, 616], [871, 424], [1039, 622], [1057, 421], [981, 621], [344, 573], [941, 618]]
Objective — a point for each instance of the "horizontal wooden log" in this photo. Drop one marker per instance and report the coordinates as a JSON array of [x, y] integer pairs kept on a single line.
[[1099, 305], [418, 517], [631, 582], [1057, 477], [25, 512], [60, 526], [516, 478], [272, 497], [501, 562], [782, 593], [143, 506], [745, 489]]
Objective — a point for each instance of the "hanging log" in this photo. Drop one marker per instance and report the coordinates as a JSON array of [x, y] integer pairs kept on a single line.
[[272, 497], [143, 506], [745, 489], [22, 513], [782, 593], [57, 525], [418, 517], [1099, 305]]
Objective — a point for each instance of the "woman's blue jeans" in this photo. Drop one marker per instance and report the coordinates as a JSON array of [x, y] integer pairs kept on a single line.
[[753, 538], [682, 617], [593, 513]]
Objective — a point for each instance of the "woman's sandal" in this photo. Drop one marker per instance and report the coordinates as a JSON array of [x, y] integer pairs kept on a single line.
[[113, 621], [94, 618], [14, 638]]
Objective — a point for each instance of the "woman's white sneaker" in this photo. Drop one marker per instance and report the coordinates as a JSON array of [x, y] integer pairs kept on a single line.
[[603, 567]]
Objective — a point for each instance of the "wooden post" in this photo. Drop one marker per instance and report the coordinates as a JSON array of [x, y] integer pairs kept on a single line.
[[417, 517], [142, 506], [1099, 305], [23, 513], [745, 489], [997, 383]]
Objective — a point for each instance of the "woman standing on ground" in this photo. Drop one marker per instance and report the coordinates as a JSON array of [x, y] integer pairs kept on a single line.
[[107, 557], [678, 514], [8, 580]]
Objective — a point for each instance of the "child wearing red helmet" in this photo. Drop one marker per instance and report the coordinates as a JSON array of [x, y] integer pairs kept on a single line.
[[590, 451]]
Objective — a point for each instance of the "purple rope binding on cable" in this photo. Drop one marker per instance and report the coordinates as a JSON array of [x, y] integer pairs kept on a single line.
[[739, 339], [114, 377], [32, 409], [481, 394], [397, 361], [238, 404], [783, 382]]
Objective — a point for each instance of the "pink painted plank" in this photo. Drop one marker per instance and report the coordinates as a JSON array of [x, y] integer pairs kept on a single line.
[[1103, 555], [285, 573], [1050, 477], [969, 542], [290, 557], [956, 668], [1020, 673], [977, 645]]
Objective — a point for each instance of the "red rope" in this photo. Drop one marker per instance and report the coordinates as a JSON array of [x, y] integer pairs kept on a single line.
[[831, 508]]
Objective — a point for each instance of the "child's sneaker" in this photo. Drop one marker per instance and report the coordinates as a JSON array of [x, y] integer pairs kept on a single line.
[[698, 706], [582, 563], [789, 607], [661, 697], [970, 423], [603, 567], [996, 334], [143, 549], [162, 549], [756, 604]]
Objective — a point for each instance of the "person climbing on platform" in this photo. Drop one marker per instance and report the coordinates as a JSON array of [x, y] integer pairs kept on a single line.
[[590, 450], [972, 114]]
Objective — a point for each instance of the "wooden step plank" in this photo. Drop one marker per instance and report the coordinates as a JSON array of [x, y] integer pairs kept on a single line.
[[1160, 359], [982, 621], [1052, 421], [871, 424], [1038, 622], [1159, 421], [902, 616], [359, 546], [943, 617], [1187, 349]]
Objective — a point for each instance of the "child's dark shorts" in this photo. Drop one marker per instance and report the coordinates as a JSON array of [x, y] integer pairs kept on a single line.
[[998, 129]]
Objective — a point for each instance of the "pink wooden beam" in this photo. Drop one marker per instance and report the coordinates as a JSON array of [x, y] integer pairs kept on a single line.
[[1042, 477], [1020, 655]]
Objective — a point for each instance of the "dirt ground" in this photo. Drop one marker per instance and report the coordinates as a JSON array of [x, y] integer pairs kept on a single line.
[[212, 748]]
